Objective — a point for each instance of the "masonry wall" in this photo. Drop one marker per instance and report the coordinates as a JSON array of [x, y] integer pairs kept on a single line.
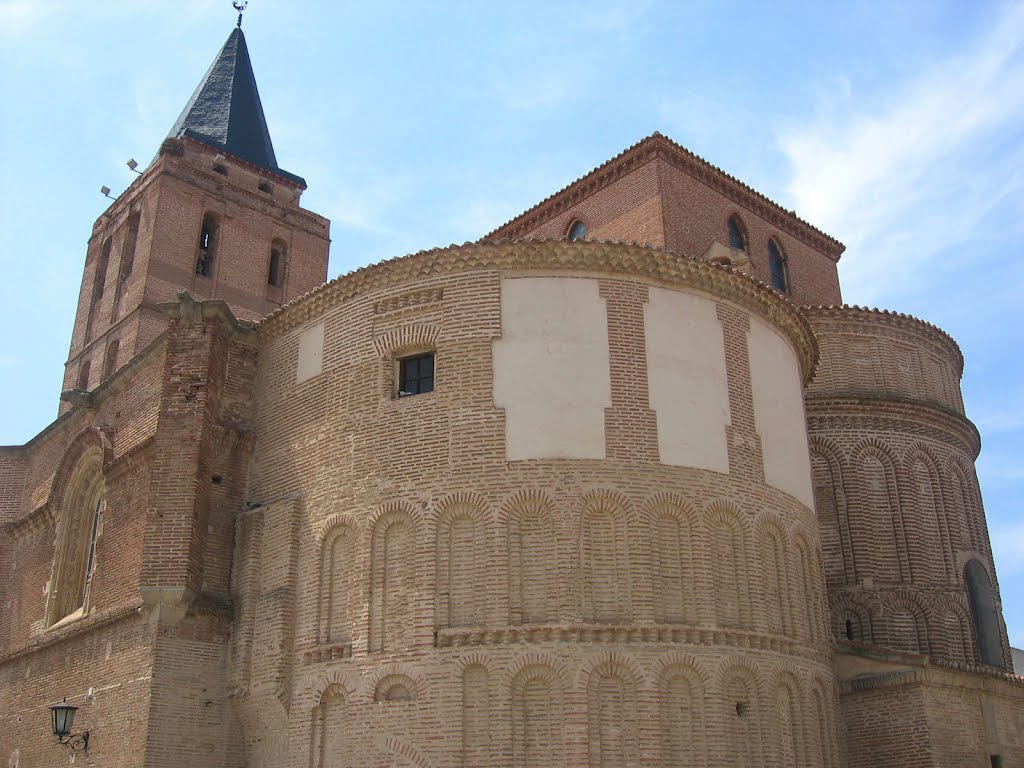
[[913, 714], [896, 491], [409, 596], [664, 199]]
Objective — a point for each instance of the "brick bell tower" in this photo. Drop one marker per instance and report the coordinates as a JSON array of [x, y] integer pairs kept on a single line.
[[213, 215]]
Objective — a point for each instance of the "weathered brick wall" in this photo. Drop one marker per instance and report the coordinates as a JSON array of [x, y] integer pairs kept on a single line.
[[897, 496], [113, 660], [170, 201], [906, 711], [389, 588], [656, 193]]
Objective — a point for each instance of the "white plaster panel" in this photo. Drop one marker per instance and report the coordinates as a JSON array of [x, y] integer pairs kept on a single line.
[[779, 412], [686, 377], [311, 353], [551, 371]]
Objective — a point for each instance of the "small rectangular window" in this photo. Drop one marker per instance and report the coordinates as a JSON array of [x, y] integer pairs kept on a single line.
[[416, 375]]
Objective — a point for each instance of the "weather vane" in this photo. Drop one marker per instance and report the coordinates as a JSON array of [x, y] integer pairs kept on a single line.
[[240, 7]]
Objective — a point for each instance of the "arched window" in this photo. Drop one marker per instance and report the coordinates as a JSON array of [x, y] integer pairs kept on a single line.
[[83, 376], [984, 613], [777, 265], [207, 245], [577, 230], [736, 238], [275, 271], [110, 359], [101, 270], [78, 528]]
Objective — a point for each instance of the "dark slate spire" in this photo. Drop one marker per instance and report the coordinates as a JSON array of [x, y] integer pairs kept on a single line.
[[225, 111]]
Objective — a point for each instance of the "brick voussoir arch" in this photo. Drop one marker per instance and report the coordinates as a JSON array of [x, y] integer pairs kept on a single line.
[[611, 662], [90, 439]]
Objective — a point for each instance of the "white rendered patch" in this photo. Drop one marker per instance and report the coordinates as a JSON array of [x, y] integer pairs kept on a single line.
[[686, 378], [779, 412], [311, 353], [551, 370]]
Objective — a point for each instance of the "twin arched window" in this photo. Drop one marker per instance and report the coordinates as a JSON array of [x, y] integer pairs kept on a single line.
[[776, 256]]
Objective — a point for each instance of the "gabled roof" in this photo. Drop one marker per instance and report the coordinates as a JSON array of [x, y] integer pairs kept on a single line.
[[657, 144], [225, 111]]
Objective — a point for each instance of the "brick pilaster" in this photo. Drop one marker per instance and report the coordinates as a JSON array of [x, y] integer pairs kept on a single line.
[[631, 426]]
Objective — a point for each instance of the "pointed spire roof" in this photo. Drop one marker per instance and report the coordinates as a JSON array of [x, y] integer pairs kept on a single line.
[[225, 111]]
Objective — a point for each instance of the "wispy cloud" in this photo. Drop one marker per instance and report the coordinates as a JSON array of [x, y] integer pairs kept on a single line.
[[909, 172]]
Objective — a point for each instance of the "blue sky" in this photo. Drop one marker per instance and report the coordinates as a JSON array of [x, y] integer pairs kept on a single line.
[[896, 127]]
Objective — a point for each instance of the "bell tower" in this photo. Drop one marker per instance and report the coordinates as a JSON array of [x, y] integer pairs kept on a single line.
[[213, 215]]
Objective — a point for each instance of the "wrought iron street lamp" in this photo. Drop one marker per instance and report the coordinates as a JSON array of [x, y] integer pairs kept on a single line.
[[63, 715]]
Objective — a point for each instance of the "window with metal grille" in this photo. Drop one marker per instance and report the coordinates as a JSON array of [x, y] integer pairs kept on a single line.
[[416, 375]]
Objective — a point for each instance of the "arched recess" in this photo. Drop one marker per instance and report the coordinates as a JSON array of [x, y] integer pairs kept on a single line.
[[476, 726], [907, 627], [328, 747], [682, 713], [833, 520], [823, 716], [965, 514], [671, 531], [808, 593], [394, 688], [728, 567], [604, 560], [931, 557], [876, 522], [951, 632], [740, 715], [772, 546], [536, 718], [78, 498], [533, 561], [392, 581], [338, 583], [790, 740], [612, 716], [852, 621], [984, 613], [461, 566]]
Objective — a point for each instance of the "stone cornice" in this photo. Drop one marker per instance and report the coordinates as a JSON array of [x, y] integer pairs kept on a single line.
[[844, 316], [887, 411], [583, 258], [658, 146]]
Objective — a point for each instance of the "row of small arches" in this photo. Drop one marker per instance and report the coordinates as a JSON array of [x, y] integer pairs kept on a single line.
[[670, 564], [777, 711], [895, 519], [946, 626]]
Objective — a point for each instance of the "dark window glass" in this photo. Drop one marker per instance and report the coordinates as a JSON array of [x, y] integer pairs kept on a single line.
[[736, 235], [578, 230], [416, 375], [984, 613], [777, 265]]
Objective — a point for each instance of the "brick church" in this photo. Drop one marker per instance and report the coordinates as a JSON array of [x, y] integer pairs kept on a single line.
[[621, 484]]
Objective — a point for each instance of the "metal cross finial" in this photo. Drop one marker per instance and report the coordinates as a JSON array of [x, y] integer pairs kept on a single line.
[[240, 7]]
